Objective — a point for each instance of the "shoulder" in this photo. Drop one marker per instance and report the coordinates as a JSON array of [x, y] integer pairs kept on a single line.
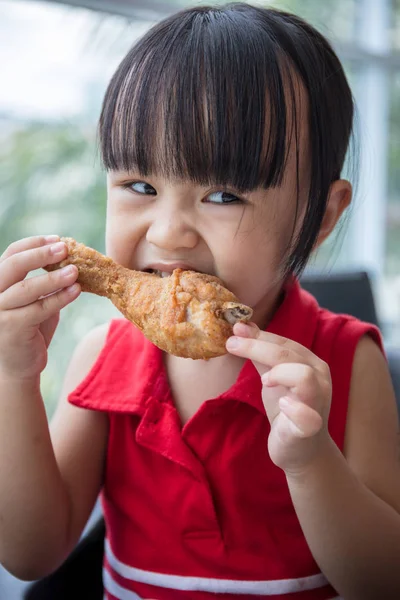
[[110, 368], [83, 359], [99, 355], [85, 355], [372, 430]]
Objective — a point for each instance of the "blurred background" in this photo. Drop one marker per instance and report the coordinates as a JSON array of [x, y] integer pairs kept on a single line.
[[56, 59]]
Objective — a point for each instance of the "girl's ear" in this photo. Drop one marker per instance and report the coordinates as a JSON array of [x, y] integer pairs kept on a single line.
[[339, 199]]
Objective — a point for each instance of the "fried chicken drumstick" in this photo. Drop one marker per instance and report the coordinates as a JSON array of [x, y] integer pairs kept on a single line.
[[188, 314]]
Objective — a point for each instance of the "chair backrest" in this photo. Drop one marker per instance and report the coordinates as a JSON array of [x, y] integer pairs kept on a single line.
[[351, 293], [80, 576], [343, 292], [393, 356]]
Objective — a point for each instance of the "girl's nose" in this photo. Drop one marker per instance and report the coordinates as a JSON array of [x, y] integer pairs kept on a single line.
[[171, 232]]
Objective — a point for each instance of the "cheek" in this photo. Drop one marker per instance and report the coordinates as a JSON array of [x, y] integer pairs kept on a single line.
[[112, 229], [121, 241], [259, 251], [252, 268], [283, 229], [115, 248], [262, 248]]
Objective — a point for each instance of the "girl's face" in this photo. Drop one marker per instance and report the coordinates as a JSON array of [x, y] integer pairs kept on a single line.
[[154, 223]]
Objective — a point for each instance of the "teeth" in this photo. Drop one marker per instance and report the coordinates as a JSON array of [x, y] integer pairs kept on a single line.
[[160, 273]]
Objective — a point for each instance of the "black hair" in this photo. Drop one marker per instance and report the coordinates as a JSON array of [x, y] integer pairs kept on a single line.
[[209, 94]]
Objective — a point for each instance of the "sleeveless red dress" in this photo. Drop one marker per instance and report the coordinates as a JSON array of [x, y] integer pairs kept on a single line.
[[200, 511]]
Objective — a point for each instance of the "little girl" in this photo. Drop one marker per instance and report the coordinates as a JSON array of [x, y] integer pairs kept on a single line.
[[271, 471]]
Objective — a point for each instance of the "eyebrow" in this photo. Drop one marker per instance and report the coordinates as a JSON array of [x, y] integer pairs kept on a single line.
[[183, 130]]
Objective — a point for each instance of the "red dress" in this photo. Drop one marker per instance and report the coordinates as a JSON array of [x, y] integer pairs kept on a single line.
[[200, 511]]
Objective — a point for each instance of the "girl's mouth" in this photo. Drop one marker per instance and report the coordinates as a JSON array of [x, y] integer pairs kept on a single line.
[[158, 272]]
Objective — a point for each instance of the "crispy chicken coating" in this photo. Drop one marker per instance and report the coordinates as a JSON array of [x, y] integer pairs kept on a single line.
[[188, 314]]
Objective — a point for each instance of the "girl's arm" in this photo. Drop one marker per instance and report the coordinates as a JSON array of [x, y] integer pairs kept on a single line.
[[350, 510], [48, 486]]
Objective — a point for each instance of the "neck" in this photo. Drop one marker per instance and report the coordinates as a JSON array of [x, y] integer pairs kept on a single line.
[[264, 311]]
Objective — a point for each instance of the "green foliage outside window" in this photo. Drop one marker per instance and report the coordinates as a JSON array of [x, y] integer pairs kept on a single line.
[[51, 180]]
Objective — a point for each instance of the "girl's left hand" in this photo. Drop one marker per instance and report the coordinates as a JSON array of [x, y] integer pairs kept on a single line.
[[296, 393]]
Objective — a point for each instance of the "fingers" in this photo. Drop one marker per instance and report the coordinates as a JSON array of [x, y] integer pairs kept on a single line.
[[29, 290], [267, 353], [15, 266], [301, 379], [251, 330], [302, 420], [41, 310], [34, 300], [246, 330], [261, 346], [27, 243]]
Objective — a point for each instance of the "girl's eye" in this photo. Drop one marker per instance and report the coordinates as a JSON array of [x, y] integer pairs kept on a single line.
[[141, 187], [223, 198]]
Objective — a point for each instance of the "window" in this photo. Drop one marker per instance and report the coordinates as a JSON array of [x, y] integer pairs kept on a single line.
[[56, 61]]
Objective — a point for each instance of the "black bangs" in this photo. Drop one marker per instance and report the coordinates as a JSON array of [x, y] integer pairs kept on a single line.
[[212, 94], [206, 96]]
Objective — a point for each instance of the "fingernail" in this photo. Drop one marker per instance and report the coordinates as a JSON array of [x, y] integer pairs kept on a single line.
[[73, 289], [285, 402], [248, 325], [232, 343], [57, 248], [51, 238], [68, 270], [296, 430], [265, 378]]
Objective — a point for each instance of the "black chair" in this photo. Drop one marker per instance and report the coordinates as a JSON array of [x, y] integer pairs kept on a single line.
[[348, 292], [351, 293], [80, 576]]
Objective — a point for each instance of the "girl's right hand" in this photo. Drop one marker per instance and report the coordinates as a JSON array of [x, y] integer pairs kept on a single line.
[[30, 308]]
